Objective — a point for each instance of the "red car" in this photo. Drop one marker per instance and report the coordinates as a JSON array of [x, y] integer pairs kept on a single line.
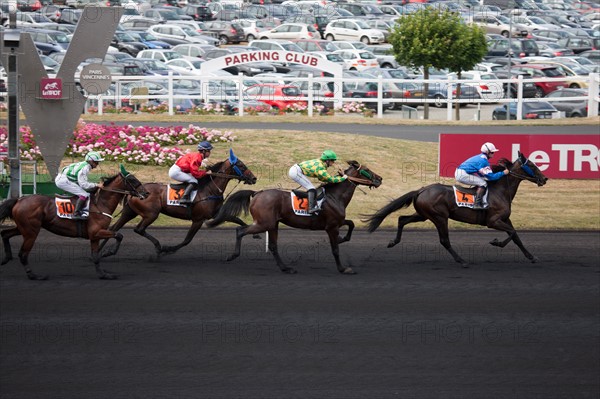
[[543, 71], [278, 96]]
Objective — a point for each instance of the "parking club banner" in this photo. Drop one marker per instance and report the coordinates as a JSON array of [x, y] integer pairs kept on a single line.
[[563, 156]]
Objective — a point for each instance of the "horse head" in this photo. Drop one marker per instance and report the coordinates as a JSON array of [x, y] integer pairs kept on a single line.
[[524, 169], [240, 169], [132, 184], [366, 176]]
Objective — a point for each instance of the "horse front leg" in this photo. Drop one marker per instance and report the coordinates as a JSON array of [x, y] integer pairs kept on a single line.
[[6, 236], [348, 235], [273, 234], [403, 221], [28, 241], [507, 226], [188, 238], [95, 247], [126, 215], [441, 225], [333, 234]]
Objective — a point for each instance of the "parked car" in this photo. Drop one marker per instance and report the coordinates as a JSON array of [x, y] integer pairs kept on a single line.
[[352, 29], [358, 60], [276, 95], [593, 55], [384, 55], [227, 32], [580, 44], [319, 22], [251, 27], [275, 44], [316, 45], [543, 71], [185, 67], [529, 88], [49, 41], [193, 50], [571, 108], [149, 40], [69, 16], [126, 43], [153, 67], [161, 55], [198, 12], [518, 47], [181, 32], [553, 49], [578, 75], [289, 31], [489, 89], [362, 10], [532, 110], [439, 92], [500, 24]]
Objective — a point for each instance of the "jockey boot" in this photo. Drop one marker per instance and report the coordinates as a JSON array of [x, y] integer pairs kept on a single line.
[[312, 201], [185, 198], [78, 212], [479, 198]]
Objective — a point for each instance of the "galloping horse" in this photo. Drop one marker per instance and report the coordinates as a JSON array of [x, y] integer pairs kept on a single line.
[[269, 207], [436, 202], [207, 202], [33, 212]]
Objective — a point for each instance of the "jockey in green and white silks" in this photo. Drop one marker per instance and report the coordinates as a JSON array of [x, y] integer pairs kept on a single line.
[[74, 179], [315, 168]]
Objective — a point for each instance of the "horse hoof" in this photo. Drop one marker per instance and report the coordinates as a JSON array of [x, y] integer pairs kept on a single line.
[[4, 261], [391, 244], [349, 271], [256, 236], [495, 242], [109, 276], [535, 259], [289, 270], [230, 258], [35, 277]]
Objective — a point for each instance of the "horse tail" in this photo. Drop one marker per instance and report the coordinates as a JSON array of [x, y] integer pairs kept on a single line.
[[375, 220], [233, 206], [6, 208]]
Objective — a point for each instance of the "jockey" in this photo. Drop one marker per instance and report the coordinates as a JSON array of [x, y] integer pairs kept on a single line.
[[191, 167], [315, 168], [74, 179], [476, 171]]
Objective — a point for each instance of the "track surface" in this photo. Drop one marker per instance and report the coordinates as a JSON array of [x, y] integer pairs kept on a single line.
[[410, 324]]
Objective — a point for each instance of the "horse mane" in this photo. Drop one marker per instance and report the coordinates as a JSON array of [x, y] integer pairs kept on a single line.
[[212, 168], [106, 180], [503, 163]]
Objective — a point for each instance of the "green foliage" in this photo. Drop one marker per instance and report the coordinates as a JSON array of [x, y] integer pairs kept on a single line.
[[440, 39]]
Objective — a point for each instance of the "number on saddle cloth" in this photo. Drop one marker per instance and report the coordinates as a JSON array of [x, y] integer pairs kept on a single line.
[[65, 206], [175, 192], [465, 196], [299, 200]]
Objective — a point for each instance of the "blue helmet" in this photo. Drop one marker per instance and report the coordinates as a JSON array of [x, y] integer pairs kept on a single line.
[[205, 146]]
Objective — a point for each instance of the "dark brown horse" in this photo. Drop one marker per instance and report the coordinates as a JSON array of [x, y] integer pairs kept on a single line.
[[269, 207], [33, 212], [436, 202], [207, 202]]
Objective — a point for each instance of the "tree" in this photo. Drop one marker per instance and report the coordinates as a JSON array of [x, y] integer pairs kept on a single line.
[[439, 39]]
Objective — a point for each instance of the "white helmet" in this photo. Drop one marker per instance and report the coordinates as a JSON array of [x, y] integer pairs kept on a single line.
[[488, 148]]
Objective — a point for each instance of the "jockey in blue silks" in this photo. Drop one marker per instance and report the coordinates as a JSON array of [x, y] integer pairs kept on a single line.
[[476, 171]]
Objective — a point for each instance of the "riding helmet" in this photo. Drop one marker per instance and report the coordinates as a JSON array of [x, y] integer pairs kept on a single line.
[[93, 156], [328, 155], [487, 148], [205, 146]]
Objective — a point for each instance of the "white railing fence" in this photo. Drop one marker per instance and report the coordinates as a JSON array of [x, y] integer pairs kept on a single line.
[[337, 100]]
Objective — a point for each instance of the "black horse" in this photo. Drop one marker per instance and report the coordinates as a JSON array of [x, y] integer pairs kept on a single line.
[[436, 202]]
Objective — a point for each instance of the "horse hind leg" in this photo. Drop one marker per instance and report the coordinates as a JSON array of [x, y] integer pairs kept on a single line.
[[6, 236], [240, 232], [335, 250], [403, 221], [512, 236], [28, 241], [188, 238], [240, 222]]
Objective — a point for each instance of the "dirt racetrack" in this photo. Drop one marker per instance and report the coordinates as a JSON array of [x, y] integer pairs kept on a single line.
[[410, 324]]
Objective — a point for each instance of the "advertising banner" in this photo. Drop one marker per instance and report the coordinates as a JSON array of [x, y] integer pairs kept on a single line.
[[564, 156]]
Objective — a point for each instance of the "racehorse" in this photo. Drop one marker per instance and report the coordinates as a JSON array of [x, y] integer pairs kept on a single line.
[[33, 212], [436, 202], [207, 202], [269, 207]]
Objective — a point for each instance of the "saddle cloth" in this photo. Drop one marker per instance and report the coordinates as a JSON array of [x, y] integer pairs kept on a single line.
[[175, 192], [65, 206], [465, 196], [300, 201]]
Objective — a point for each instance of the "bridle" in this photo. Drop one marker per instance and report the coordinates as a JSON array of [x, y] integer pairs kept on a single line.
[[130, 191], [368, 181], [239, 175], [529, 174]]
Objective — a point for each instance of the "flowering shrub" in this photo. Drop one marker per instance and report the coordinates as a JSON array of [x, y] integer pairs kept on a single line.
[[147, 145], [3, 107], [257, 109], [353, 107], [296, 108]]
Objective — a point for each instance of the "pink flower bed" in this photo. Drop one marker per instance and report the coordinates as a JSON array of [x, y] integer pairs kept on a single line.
[[147, 145]]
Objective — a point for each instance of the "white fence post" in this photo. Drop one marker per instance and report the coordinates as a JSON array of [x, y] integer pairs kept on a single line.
[[310, 95], [170, 88], [593, 94], [519, 97]]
